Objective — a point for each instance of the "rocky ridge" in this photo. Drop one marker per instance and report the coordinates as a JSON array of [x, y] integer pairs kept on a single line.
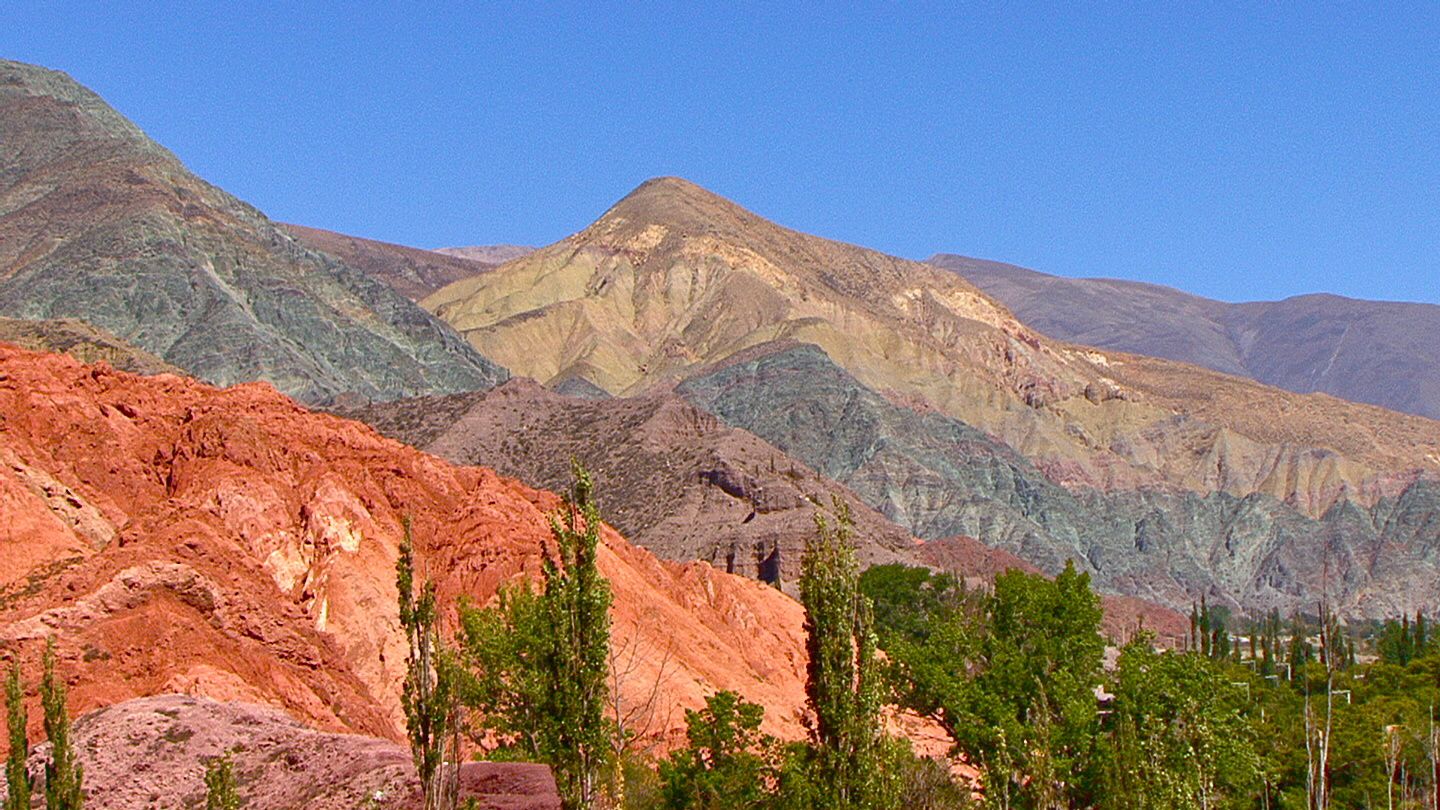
[[489, 254], [939, 477], [1383, 353], [412, 272], [100, 223], [230, 544], [673, 278], [83, 342], [673, 478]]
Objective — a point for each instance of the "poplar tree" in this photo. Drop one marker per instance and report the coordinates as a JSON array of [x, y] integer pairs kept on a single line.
[[576, 600], [537, 664], [429, 695], [843, 682], [17, 774], [63, 774]]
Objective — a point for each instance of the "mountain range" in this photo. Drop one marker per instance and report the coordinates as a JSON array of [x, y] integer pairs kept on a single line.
[[214, 427], [101, 224], [1227, 482], [1380, 352]]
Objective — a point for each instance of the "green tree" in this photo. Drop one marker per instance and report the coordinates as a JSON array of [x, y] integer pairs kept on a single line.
[[909, 600], [1177, 739], [17, 773], [537, 664], [220, 790], [1396, 644], [429, 695], [1013, 683], [728, 763], [844, 687], [64, 775]]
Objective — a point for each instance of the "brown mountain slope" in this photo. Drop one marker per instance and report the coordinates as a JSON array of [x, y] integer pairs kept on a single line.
[[412, 272], [683, 484], [489, 254], [673, 278], [675, 479], [83, 342], [1381, 352], [175, 537]]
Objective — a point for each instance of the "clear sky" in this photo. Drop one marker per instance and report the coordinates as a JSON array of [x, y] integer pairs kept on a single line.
[[1238, 152]]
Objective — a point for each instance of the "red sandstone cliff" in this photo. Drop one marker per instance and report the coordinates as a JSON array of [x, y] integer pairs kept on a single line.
[[229, 543]]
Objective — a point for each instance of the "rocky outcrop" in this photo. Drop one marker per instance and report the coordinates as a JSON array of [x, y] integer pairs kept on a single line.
[[673, 478], [83, 342], [230, 544], [99, 223], [412, 272], [1382, 352], [940, 477], [150, 754], [1170, 480]]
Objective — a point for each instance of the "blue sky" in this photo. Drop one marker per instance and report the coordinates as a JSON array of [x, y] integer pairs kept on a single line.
[[1236, 151]]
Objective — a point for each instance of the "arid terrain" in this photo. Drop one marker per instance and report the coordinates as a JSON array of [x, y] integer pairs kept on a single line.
[[1379, 352]]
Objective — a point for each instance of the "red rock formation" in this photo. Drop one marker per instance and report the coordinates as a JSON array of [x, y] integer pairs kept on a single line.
[[229, 543]]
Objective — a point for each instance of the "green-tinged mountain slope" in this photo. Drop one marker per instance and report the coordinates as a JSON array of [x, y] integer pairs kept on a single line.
[[940, 477], [100, 223]]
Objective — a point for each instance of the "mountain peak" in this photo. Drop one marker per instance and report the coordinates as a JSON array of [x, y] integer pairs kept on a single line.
[[674, 188], [678, 203], [100, 223]]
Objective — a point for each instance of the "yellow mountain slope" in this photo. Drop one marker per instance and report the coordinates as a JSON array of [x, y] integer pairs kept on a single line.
[[673, 278]]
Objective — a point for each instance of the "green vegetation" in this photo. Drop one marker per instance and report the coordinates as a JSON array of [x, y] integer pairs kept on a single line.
[[849, 762], [1279, 715], [1274, 714], [17, 774], [1176, 736], [1011, 677], [729, 762], [220, 790], [843, 680], [537, 663], [63, 774]]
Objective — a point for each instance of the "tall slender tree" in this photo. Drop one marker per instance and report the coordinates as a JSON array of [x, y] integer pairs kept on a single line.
[[429, 695], [576, 599], [538, 664], [843, 682], [64, 776], [17, 773]]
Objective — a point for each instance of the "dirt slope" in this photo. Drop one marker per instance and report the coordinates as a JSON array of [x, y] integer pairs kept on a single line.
[[150, 754], [674, 479]]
